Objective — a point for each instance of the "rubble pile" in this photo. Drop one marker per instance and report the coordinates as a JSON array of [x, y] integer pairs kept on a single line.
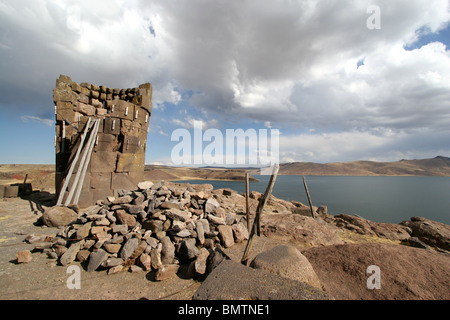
[[155, 227]]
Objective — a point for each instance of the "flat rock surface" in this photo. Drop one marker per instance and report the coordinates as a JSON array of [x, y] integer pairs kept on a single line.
[[406, 273], [301, 229], [287, 262], [233, 281]]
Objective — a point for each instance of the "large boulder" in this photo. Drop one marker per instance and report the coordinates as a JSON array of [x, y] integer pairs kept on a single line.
[[304, 230], [366, 227], [233, 281], [59, 217], [406, 273], [287, 262], [431, 232]]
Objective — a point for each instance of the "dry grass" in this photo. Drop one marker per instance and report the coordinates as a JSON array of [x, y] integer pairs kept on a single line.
[[353, 237]]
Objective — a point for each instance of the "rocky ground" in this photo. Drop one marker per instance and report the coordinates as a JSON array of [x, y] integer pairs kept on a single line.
[[181, 241]]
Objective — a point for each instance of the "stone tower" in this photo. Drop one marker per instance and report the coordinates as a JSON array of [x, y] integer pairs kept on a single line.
[[101, 137]]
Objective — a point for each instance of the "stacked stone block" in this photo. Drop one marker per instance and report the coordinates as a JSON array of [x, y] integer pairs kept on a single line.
[[118, 158]]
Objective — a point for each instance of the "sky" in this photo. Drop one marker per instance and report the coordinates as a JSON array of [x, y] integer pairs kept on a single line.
[[337, 86]]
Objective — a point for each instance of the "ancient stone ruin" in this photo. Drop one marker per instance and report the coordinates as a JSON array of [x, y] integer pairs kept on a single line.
[[100, 141]]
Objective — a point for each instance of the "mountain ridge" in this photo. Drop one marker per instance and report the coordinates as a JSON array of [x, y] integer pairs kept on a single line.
[[438, 166]]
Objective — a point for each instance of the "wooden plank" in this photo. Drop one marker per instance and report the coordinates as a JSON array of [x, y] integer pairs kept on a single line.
[[91, 144], [73, 164], [80, 166]]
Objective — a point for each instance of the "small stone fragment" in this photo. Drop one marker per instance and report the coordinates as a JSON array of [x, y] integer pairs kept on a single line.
[[96, 259], [166, 271], [24, 256], [128, 248]]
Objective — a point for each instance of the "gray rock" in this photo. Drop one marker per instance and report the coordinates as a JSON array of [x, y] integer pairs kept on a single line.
[[96, 259], [240, 232], [125, 218], [120, 228], [167, 251], [415, 242], [128, 248], [134, 269], [226, 235], [183, 233], [205, 225], [431, 232], [155, 256], [152, 242], [59, 217], [122, 200], [71, 253], [211, 205], [153, 225], [187, 249], [233, 281], [132, 208], [83, 231], [166, 271], [200, 232], [177, 214], [144, 185], [215, 220], [287, 262], [200, 261], [178, 225], [112, 262], [110, 217]]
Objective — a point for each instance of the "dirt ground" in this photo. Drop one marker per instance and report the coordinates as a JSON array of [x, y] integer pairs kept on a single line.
[[43, 279], [408, 273]]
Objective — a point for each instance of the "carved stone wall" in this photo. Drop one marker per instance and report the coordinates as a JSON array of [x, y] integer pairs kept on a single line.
[[118, 156]]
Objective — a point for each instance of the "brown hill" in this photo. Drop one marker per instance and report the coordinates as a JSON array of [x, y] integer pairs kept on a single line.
[[439, 166], [159, 172]]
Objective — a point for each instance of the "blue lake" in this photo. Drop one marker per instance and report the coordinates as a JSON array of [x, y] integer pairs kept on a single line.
[[379, 199]]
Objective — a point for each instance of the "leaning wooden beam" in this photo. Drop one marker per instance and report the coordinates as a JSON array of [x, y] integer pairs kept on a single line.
[[256, 222], [72, 166], [266, 197], [80, 166], [309, 198], [246, 200], [86, 164]]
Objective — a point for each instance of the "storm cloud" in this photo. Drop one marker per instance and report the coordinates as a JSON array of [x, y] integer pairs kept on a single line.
[[311, 67]]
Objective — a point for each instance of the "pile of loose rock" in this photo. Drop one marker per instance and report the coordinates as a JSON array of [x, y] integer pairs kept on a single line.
[[155, 227]]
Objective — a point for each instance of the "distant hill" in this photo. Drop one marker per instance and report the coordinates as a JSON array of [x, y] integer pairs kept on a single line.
[[439, 166], [160, 172]]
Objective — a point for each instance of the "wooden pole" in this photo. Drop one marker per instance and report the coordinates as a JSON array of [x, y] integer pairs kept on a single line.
[[256, 223], [246, 200], [72, 166], [88, 159], [80, 166], [309, 198]]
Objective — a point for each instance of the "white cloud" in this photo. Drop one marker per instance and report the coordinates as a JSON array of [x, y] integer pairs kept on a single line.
[[47, 122], [279, 63], [378, 144], [189, 123], [163, 133]]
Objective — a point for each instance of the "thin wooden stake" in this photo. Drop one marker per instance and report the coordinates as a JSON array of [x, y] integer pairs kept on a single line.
[[256, 223], [246, 200], [309, 198]]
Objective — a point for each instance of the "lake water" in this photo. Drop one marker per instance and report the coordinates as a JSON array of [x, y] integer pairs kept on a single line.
[[379, 199]]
